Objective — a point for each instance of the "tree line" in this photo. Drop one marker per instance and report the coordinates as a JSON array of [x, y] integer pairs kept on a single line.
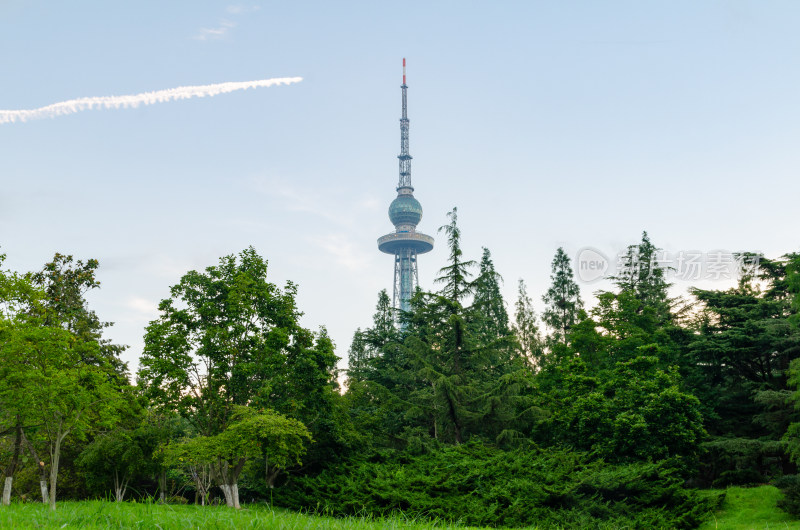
[[570, 415]]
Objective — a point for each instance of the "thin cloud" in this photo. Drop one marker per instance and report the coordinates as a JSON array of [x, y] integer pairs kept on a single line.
[[344, 251], [225, 25], [295, 199], [216, 33], [241, 9], [134, 100], [142, 306]]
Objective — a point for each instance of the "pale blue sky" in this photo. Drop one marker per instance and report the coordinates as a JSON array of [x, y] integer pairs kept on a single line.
[[547, 123]]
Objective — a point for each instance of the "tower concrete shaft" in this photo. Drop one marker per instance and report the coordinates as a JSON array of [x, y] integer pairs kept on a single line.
[[405, 212]]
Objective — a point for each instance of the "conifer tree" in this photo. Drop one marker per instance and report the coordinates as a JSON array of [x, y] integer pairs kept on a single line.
[[644, 277], [369, 344], [383, 330], [460, 389], [455, 276], [491, 314], [526, 328], [358, 357], [562, 298]]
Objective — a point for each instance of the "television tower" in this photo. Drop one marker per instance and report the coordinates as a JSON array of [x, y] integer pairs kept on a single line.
[[405, 212]]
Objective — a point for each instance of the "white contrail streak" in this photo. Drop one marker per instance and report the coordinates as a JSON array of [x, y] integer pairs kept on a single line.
[[134, 100]]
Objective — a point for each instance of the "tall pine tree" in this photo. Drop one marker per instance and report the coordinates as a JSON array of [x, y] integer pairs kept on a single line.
[[526, 328], [563, 300], [643, 276], [492, 316]]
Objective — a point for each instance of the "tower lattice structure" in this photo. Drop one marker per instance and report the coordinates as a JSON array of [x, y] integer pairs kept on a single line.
[[405, 212]]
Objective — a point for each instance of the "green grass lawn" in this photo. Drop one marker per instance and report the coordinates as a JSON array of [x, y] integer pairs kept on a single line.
[[103, 514], [742, 509], [751, 509]]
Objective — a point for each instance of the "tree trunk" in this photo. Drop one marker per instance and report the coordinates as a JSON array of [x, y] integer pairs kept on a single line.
[[120, 486], [162, 486], [270, 473], [55, 457], [12, 467], [7, 491], [45, 493], [454, 419], [231, 492], [42, 471], [235, 495], [226, 491], [200, 476], [228, 480]]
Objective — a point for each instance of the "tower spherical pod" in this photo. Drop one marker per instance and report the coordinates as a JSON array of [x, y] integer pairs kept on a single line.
[[405, 210]]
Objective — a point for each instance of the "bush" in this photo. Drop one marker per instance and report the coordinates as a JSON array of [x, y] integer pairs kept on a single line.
[[790, 487], [739, 461], [477, 484]]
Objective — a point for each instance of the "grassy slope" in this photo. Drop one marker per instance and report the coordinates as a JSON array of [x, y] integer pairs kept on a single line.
[[101, 514], [751, 509]]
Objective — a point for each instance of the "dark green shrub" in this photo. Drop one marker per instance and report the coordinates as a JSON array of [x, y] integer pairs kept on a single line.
[[739, 477], [739, 461], [790, 487], [477, 484]]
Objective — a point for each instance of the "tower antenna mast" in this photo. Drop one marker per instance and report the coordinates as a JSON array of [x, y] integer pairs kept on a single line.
[[404, 156]]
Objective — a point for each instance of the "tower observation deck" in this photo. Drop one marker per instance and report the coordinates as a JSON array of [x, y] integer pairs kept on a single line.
[[405, 212]]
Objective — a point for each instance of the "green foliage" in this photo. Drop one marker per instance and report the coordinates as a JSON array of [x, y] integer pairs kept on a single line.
[[790, 488], [793, 285], [454, 277], [227, 337], [224, 338], [480, 485], [492, 320], [65, 282], [643, 277], [59, 380], [563, 300], [279, 440], [526, 329], [450, 372], [113, 459], [634, 411], [459, 365], [740, 461], [744, 346]]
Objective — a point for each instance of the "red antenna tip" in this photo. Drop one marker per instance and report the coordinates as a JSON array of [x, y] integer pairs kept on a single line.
[[404, 70]]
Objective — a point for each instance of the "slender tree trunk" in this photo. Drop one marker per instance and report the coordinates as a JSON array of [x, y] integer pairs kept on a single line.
[[201, 483], [12, 467], [40, 466], [270, 473], [162, 486], [454, 418], [7, 491], [44, 491], [120, 486], [55, 457]]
